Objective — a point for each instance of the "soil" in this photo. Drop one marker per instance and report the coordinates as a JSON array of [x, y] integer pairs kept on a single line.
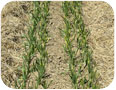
[[98, 18]]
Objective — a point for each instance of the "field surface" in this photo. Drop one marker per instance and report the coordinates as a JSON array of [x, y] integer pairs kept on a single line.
[[99, 20]]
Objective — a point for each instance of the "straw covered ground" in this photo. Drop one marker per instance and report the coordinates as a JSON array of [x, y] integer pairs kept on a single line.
[[99, 20]]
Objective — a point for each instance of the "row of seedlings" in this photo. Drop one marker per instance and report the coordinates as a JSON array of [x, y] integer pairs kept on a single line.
[[79, 77], [41, 62], [68, 47], [36, 40]]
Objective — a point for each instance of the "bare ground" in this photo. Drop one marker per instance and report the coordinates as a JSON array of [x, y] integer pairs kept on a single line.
[[57, 65], [14, 23], [99, 19]]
